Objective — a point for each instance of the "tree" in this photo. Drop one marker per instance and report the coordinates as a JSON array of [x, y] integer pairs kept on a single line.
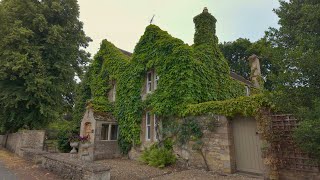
[[41, 50], [298, 39], [238, 52], [298, 79]]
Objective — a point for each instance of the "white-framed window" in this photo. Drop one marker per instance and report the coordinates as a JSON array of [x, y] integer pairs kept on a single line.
[[109, 132], [156, 81], [114, 92], [148, 126], [149, 82], [247, 91], [156, 126]]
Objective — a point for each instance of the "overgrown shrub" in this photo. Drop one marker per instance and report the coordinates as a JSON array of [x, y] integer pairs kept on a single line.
[[60, 131], [307, 135], [158, 156]]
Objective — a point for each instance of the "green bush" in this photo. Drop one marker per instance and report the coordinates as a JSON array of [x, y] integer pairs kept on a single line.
[[307, 136], [158, 157], [63, 141], [60, 131]]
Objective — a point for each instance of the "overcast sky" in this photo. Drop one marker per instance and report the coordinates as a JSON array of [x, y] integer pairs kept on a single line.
[[123, 21]]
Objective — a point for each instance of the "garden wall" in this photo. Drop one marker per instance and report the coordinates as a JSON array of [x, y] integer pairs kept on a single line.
[[2, 140], [217, 145], [71, 168], [33, 139]]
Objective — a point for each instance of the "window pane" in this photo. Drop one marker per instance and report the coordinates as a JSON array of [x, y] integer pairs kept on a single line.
[[104, 131], [149, 77], [155, 127], [148, 132], [149, 86], [148, 118], [114, 132]]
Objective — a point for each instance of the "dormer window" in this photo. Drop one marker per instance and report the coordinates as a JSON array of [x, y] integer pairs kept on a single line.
[[149, 82]]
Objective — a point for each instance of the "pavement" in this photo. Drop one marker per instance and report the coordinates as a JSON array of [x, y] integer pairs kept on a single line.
[[6, 174]]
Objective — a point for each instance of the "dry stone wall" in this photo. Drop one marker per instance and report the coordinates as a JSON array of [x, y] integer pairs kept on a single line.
[[217, 149], [71, 168], [25, 139], [2, 140]]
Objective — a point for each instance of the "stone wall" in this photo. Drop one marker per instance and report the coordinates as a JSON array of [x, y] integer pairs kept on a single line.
[[2, 140], [298, 175], [104, 149], [71, 168], [217, 149], [25, 139]]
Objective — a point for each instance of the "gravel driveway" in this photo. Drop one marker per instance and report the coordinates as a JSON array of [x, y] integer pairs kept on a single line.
[[124, 169]]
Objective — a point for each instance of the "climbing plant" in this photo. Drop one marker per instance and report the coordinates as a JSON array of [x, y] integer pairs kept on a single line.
[[188, 75]]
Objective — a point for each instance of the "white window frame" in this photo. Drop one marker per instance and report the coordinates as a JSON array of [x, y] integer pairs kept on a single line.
[[156, 80], [109, 131], [155, 121], [148, 126], [114, 91], [149, 82], [247, 91]]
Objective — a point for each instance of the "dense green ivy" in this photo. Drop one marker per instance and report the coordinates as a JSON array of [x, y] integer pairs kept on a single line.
[[188, 75], [245, 106]]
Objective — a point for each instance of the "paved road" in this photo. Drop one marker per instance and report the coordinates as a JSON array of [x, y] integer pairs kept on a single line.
[[5, 174]]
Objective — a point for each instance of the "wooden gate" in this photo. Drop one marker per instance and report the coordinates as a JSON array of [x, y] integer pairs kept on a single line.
[[247, 146]]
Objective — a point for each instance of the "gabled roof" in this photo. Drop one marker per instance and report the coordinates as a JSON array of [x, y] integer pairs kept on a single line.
[[240, 78], [125, 52]]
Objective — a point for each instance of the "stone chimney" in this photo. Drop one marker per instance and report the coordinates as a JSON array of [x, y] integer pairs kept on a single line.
[[205, 29], [205, 10], [255, 75]]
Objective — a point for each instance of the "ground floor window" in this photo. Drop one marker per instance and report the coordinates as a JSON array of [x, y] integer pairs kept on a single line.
[[155, 127], [151, 127], [148, 126], [109, 132]]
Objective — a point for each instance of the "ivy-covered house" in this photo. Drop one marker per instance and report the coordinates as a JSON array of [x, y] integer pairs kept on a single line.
[[136, 97]]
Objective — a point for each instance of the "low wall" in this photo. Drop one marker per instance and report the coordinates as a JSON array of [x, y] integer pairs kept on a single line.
[[106, 150], [2, 140], [298, 175], [71, 168], [33, 139]]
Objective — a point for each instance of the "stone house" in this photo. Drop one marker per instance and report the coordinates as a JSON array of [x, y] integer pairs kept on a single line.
[[225, 146]]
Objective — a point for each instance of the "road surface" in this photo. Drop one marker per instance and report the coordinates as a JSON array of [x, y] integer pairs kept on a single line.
[[5, 174]]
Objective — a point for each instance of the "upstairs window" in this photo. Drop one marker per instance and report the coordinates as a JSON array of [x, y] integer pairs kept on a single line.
[[114, 92], [247, 91], [109, 132], [156, 80], [148, 126], [149, 82]]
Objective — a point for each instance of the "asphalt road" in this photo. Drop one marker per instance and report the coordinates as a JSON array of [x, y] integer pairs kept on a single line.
[[5, 174]]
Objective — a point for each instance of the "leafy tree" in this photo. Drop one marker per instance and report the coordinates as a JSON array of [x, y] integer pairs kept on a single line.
[[41, 50], [238, 52], [298, 78], [298, 40]]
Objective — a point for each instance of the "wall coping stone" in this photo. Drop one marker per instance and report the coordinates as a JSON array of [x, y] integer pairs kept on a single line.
[[85, 165]]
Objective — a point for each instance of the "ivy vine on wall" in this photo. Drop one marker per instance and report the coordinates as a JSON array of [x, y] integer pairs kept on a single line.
[[188, 75]]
